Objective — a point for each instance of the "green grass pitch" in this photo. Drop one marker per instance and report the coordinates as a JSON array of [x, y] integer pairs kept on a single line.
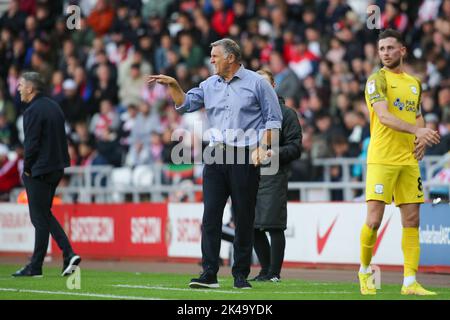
[[96, 284]]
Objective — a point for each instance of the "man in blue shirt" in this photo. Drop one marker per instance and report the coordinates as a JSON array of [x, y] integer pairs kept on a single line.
[[237, 102]]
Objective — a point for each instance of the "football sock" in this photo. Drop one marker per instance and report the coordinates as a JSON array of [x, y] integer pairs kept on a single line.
[[368, 239]]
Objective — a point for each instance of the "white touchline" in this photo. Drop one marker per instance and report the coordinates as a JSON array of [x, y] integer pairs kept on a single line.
[[313, 292], [65, 293], [175, 289]]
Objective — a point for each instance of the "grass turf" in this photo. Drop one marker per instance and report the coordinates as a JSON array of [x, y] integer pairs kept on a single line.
[[96, 284]]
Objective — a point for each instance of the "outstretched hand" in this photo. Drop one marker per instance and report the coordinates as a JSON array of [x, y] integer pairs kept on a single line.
[[175, 90], [162, 79]]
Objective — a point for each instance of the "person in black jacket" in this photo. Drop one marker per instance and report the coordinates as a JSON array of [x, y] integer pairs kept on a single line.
[[46, 156], [271, 201]]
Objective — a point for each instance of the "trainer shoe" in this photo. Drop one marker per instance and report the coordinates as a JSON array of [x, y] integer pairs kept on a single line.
[[366, 284], [28, 271], [69, 263], [260, 277], [416, 289], [274, 278], [206, 280], [241, 283]]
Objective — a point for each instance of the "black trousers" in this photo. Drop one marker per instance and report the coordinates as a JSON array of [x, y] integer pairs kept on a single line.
[[220, 181], [40, 193], [270, 255]]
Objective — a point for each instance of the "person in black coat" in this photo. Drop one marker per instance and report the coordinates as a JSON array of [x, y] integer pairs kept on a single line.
[[46, 156], [271, 201]]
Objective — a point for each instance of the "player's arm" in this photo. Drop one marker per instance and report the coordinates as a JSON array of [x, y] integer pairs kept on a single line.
[[419, 150], [424, 135]]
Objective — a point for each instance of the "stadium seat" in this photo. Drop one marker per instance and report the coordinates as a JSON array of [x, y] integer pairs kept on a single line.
[[142, 176], [121, 178]]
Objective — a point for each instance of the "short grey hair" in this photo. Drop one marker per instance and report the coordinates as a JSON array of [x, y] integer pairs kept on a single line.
[[229, 46], [35, 79]]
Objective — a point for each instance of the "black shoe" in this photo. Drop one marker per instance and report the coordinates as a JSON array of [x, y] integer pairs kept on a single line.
[[69, 263], [206, 280], [241, 283], [260, 277], [28, 271]]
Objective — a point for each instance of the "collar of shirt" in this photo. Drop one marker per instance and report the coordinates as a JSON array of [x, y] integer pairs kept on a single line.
[[240, 73]]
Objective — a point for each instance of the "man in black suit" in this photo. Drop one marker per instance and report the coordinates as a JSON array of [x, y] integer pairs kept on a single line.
[[46, 156]]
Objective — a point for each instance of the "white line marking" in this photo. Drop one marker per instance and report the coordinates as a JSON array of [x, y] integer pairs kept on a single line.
[[314, 292], [174, 289], [65, 293], [224, 291]]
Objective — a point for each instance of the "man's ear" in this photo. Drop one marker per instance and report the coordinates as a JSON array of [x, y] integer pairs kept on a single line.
[[404, 52], [231, 58]]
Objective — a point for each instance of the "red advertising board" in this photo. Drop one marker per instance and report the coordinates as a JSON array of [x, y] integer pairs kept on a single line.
[[114, 230]]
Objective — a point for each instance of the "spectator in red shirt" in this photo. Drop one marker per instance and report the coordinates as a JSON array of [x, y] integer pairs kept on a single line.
[[393, 17], [9, 170], [222, 18], [101, 18]]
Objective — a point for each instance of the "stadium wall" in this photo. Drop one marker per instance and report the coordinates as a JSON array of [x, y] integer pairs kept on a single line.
[[317, 233]]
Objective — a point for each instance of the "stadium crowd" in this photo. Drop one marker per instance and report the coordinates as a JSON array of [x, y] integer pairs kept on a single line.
[[320, 51]]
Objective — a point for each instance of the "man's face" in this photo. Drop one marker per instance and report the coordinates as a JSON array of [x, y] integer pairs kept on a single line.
[[221, 64], [391, 52], [25, 90]]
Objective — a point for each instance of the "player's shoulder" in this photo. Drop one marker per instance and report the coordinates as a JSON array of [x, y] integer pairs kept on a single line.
[[376, 84], [379, 75], [413, 78]]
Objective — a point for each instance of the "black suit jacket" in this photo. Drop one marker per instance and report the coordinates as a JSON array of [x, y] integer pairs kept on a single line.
[[45, 137]]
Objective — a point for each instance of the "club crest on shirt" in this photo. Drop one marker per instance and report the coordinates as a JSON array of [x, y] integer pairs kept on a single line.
[[371, 86], [413, 89]]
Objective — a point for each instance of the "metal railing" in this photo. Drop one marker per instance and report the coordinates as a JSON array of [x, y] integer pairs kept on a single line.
[[95, 184]]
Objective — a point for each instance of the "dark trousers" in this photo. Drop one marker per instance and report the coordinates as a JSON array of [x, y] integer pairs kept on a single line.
[[40, 193], [240, 181], [271, 255]]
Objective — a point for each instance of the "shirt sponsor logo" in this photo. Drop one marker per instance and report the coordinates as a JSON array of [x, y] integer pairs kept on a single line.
[[399, 104], [409, 105], [92, 229]]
